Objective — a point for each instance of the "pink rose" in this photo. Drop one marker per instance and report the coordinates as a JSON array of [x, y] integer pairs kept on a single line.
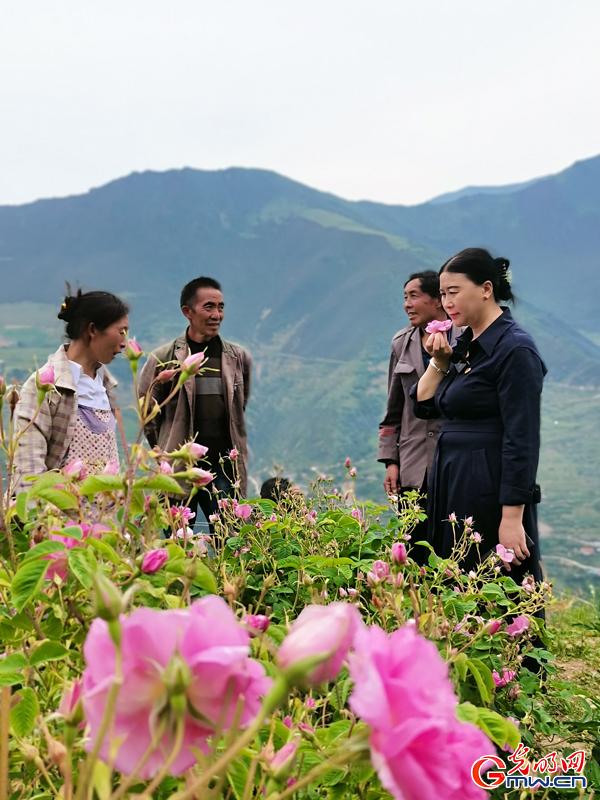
[[403, 692], [197, 657], [438, 326], [233, 454], [112, 467], [182, 514], [258, 622], [493, 626], [380, 571], [165, 468], [528, 584], [347, 462], [519, 625], [325, 632], [505, 555], [153, 560], [399, 554], [242, 510], [352, 472], [356, 513], [75, 469], [501, 680], [452, 517]]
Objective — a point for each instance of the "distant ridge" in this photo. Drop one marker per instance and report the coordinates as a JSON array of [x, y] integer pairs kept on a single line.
[[468, 191]]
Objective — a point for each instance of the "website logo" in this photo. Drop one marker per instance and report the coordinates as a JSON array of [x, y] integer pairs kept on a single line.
[[551, 771]]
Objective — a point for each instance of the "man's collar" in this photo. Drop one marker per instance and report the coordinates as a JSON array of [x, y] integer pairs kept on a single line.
[[491, 335]]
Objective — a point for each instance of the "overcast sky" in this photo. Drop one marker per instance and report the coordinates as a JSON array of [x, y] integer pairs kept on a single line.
[[389, 100]]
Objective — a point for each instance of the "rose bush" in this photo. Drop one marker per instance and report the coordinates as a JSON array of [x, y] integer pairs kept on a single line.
[[300, 651]]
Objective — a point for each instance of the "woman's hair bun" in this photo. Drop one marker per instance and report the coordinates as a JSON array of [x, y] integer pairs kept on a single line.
[[66, 307], [503, 265]]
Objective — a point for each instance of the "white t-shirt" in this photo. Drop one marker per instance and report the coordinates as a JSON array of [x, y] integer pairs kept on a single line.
[[90, 391]]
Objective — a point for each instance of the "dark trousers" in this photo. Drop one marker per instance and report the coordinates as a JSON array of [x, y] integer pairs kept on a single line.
[[419, 533]]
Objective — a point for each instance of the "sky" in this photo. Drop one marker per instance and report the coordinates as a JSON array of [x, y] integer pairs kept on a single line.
[[390, 100]]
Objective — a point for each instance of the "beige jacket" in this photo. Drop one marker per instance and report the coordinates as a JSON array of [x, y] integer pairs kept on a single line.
[[174, 425], [404, 439], [44, 444]]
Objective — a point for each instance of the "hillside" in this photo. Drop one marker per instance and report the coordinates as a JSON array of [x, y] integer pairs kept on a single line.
[[313, 286]]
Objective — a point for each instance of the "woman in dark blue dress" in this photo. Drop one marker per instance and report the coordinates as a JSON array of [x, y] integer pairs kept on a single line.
[[488, 393]]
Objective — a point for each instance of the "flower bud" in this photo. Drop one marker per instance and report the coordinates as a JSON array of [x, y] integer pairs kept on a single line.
[[165, 375], [257, 622], [282, 762], [200, 477], [45, 377], [108, 599], [399, 554], [44, 381], [318, 642], [133, 351], [191, 366], [154, 560], [70, 704]]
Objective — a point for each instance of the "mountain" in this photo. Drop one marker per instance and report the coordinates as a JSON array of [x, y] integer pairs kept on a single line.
[[468, 191], [313, 286]]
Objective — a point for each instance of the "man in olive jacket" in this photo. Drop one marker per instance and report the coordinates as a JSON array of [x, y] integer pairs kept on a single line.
[[407, 444], [210, 407]]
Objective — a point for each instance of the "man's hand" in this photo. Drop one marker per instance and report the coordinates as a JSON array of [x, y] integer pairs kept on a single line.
[[390, 484]]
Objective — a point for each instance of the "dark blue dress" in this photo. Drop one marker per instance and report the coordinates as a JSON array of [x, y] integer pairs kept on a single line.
[[488, 449]]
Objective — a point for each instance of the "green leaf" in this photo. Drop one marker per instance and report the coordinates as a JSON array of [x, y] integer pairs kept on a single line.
[[59, 498], [495, 727], [205, 579], [237, 772], [95, 484], [160, 483], [45, 481], [11, 669], [491, 591], [21, 506], [102, 780], [27, 581], [24, 713], [48, 651], [13, 663], [43, 549], [460, 663], [467, 712], [80, 566], [483, 678], [102, 547]]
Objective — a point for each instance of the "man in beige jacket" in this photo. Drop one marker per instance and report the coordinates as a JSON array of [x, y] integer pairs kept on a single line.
[[210, 407], [407, 444]]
